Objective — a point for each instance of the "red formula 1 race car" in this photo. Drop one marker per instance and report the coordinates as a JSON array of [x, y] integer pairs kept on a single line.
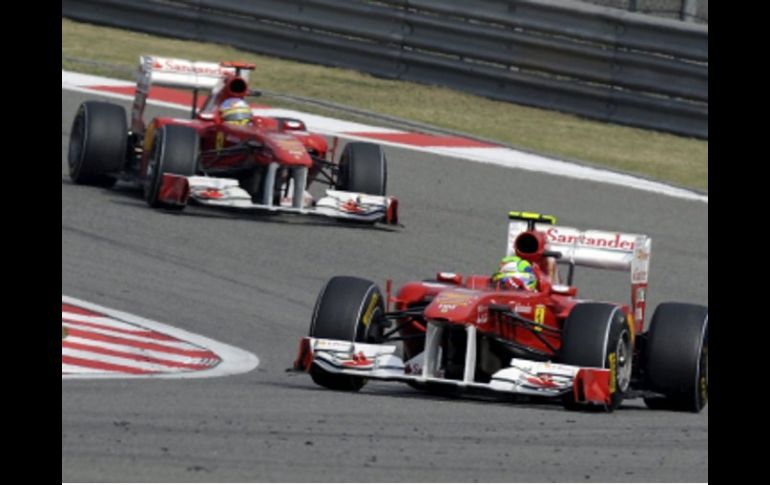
[[224, 156], [471, 334]]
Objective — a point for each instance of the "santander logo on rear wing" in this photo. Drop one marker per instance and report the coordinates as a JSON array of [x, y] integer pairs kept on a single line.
[[178, 73], [181, 73], [591, 248]]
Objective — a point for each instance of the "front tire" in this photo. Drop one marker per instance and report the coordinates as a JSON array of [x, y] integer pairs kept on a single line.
[[348, 308], [598, 335], [97, 148], [174, 150], [363, 168], [676, 357]]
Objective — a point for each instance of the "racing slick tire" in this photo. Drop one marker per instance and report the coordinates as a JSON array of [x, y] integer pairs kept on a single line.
[[599, 335], [363, 168], [174, 150], [676, 357], [97, 148], [348, 308]]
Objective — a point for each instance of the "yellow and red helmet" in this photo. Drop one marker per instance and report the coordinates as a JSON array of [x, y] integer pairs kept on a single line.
[[235, 111]]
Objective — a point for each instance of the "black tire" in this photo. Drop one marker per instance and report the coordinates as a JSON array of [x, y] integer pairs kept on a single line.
[[97, 148], [252, 182], [598, 335], [676, 357], [174, 150], [363, 168], [348, 308]]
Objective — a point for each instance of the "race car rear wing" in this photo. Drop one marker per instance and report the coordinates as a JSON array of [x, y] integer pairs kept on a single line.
[[591, 248], [179, 73]]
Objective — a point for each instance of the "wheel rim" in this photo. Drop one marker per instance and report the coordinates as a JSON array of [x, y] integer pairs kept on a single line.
[[374, 331], [624, 361]]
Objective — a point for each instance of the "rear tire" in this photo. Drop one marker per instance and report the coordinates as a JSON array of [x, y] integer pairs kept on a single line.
[[363, 168], [598, 335], [676, 357], [174, 150], [348, 308], [97, 148]]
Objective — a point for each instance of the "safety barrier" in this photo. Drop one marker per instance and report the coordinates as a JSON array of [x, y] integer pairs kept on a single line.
[[600, 63]]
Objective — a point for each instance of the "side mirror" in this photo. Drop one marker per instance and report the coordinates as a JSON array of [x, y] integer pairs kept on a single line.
[[449, 278]]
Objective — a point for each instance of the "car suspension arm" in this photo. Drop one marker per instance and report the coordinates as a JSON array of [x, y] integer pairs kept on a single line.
[[328, 175], [537, 329], [414, 313]]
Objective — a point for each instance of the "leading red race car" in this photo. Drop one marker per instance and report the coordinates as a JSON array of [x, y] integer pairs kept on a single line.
[[265, 165], [469, 334]]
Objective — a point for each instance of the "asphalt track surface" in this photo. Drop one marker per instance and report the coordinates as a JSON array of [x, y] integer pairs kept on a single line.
[[252, 283]]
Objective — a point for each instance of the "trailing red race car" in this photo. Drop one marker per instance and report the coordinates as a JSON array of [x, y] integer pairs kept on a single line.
[[536, 339], [224, 156]]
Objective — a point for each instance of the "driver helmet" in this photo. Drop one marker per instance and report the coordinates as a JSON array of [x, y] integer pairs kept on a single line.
[[515, 272], [235, 111]]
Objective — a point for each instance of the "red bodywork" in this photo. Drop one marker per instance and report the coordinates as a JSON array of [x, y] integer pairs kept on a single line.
[[475, 334], [476, 300], [275, 139]]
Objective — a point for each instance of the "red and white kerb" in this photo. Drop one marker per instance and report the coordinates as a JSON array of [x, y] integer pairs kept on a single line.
[[113, 344]]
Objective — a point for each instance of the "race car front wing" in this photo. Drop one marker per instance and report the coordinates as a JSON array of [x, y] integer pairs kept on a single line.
[[224, 193], [522, 377]]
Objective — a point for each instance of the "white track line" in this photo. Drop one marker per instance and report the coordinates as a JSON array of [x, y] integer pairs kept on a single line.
[[138, 339], [75, 369], [135, 363], [78, 317], [138, 351]]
